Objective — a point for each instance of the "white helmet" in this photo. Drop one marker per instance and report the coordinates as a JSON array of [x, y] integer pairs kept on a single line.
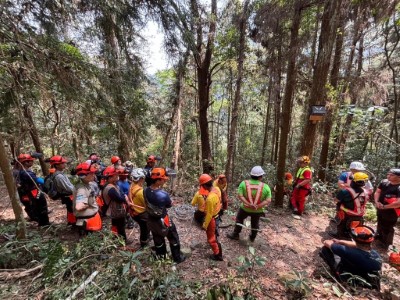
[[137, 174], [356, 165], [257, 171]]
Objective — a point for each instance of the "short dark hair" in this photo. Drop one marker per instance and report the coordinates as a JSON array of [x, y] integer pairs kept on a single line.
[[255, 177]]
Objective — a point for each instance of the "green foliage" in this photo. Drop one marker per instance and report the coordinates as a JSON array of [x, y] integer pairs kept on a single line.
[[298, 283], [370, 213]]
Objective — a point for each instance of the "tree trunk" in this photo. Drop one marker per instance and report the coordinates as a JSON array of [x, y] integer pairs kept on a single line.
[[287, 104], [12, 192], [237, 99], [35, 138], [331, 105], [318, 90]]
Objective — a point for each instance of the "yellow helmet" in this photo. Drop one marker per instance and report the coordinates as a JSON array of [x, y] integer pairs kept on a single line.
[[360, 176]]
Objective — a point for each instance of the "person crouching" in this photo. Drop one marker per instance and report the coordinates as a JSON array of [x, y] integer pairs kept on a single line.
[[86, 208]]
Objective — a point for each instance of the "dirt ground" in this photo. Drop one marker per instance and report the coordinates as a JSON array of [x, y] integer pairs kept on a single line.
[[287, 244]]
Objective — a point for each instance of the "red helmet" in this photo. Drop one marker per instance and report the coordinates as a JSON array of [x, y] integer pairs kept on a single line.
[[158, 173], [115, 159], [204, 178], [25, 157], [363, 234], [57, 159], [151, 158], [110, 171], [85, 168]]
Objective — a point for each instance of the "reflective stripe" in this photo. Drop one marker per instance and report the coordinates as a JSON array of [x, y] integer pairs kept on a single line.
[[300, 172], [250, 187]]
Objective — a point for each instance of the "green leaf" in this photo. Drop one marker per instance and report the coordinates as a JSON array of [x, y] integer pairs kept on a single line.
[[336, 290], [252, 250]]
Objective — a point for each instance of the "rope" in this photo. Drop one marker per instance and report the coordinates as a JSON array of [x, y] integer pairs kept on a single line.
[[182, 212]]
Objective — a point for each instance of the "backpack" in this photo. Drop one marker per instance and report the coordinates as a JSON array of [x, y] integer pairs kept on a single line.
[[49, 186], [153, 210]]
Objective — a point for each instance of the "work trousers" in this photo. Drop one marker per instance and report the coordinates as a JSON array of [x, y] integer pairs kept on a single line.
[[255, 222], [212, 235], [142, 219], [387, 219], [118, 227], [299, 199], [160, 231]]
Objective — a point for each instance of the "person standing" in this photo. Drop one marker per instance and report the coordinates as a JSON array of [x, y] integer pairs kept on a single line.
[[150, 164], [159, 222], [222, 184], [348, 259], [114, 201], [387, 202], [63, 187], [138, 205], [254, 196], [86, 208], [213, 206], [345, 178], [30, 195], [302, 185]]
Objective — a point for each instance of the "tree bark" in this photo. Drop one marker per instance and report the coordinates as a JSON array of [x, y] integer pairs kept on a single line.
[[237, 99], [318, 90], [12, 192], [35, 138], [287, 104]]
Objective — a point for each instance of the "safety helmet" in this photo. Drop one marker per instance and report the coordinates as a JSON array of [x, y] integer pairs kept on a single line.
[[25, 157], [110, 171], [128, 163], [257, 171], [57, 160], [151, 158], [288, 176], [304, 159], [356, 165], [137, 174], [204, 178], [158, 173], [360, 176], [115, 159], [362, 234], [85, 168], [395, 171]]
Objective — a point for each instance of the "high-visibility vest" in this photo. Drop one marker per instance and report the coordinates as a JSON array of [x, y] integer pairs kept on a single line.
[[359, 206], [300, 172], [250, 187]]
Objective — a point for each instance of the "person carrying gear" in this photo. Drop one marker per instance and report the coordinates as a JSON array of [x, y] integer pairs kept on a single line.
[[124, 186], [150, 163], [348, 259], [138, 205], [351, 202], [387, 202], [301, 185], [254, 196], [160, 224], [29, 193], [116, 161], [62, 186], [346, 177], [222, 184], [114, 201], [213, 206], [86, 208]]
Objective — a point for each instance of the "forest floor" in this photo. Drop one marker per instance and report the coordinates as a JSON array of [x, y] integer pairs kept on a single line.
[[289, 247]]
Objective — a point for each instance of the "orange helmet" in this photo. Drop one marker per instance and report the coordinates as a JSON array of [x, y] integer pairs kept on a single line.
[[304, 159], [288, 176], [204, 178], [151, 158], [85, 168], [363, 234], [158, 173], [57, 160], [115, 159], [110, 171], [25, 157]]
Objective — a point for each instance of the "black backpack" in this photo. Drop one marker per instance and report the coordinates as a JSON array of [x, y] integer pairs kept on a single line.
[[49, 186]]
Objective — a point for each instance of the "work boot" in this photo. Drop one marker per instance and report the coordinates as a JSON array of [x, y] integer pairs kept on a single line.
[[218, 256], [233, 236], [177, 256], [161, 251]]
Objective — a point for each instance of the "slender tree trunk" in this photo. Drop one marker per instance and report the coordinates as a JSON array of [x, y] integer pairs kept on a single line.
[[237, 99], [266, 122], [35, 138], [287, 103], [318, 90], [331, 105], [12, 192]]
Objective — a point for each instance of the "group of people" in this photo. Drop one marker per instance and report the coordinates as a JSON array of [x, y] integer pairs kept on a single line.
[[120, 191]]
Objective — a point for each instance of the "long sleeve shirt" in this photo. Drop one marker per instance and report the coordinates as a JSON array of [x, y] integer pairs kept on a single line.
[[213, 206]]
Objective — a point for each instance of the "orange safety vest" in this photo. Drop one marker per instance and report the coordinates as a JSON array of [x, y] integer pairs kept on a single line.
[[359, 210], [250, 187]]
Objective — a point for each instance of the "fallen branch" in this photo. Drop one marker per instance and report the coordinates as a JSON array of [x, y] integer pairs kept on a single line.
[[344, 289], [10, 274], [83, 285]]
